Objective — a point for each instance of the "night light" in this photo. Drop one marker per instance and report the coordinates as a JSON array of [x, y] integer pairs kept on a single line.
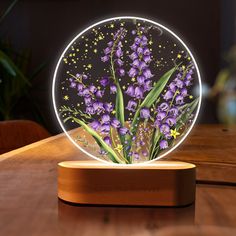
[[127, 92]]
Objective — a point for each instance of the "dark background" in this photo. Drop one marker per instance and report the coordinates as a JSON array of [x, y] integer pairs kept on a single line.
[[46, 27]]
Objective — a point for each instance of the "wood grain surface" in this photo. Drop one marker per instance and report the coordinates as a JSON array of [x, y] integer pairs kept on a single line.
[[29, 204]]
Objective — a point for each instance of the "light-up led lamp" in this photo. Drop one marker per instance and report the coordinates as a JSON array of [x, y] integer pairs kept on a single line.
[[129, 91]]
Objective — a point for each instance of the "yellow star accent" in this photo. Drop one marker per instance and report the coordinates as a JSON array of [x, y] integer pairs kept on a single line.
[[112, 25], [124, 87], [95, 50], [183, 67], [66, 97], [191, 97], [119, 148], [89, 66], [174, 133], [133, 79], [100, 37], [178, 56], [113, 112], [150, 42]]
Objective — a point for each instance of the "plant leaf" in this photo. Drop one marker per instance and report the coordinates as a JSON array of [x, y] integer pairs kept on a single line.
[[8, 10], [188, 110], [99, 140], [11, 68]]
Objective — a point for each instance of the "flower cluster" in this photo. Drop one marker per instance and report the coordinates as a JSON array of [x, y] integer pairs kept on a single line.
[[139, 72], [168, 111], [113, 52]]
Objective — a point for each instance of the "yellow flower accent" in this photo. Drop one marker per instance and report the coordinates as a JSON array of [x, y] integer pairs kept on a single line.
[[133, 79], [66, 97], [179, 56], [119, 148], [191, 97], [150, 42], [113, 112], [174, 133]]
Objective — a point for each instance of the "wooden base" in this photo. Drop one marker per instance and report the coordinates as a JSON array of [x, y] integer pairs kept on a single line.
[[163, 183]]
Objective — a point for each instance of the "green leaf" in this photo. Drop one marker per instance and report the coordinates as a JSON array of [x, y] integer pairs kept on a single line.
[[120, 105], [188, 110], [8, 10], [155, 139], [11, 68], [100, 141]]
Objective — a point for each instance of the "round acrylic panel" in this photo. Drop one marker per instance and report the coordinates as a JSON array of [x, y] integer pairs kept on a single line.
[[126, 90]]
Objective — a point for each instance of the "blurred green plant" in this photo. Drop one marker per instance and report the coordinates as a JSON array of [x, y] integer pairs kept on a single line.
[[15, 79], [225, 89]]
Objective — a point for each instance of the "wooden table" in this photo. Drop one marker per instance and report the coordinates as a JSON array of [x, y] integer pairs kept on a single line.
[[29, 204]]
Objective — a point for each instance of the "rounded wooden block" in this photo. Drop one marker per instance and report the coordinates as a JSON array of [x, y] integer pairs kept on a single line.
[[164, 183]]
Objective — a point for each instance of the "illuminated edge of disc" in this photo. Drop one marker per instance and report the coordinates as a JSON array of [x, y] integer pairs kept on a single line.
[[118, 18]]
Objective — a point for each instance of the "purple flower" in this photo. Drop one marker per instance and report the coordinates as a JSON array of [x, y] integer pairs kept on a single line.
[[73, 84], [146, 52], [140, 79], [90, 110], [147, 59], [108, 107], [135, 63], [137, 40], [172, 87], [164, 106], [119, 52], [78, 75], [113, 89], [160, 115], [121, 72], [142, 65], [95, 124], [138, 93], [147, 86], [110, 44], [179, 83], [105, 119], [163, 144], [107, 140], [171, 121], [147, 73], [105, 129], [179, 99], [184, 92], [165, 129], [133, 56], [104, 81], [132, 72], [130, 90], [92, 89], [115, 123], [88, 101], [133, 47], [173, 111], [145, 113], [84, 77], [119, 62], [168, 95], [99, 93], [80, 87], [98, 106], [107, 50], [105, 58], [131, 105], [123, 131], [140, 50], [86, 92]]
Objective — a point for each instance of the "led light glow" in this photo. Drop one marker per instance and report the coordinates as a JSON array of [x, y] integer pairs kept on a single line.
[[129, 84]]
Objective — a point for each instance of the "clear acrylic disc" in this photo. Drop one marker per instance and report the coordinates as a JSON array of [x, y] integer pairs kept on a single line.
[[127, 90]]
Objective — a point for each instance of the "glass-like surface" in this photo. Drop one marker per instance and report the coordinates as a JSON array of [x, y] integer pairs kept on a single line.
[[126, 90]]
